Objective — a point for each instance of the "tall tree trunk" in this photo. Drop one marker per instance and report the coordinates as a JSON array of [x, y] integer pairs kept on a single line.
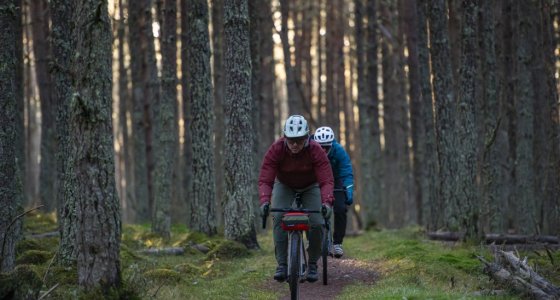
[[142, 68], [371, 163], [396, 155], [506, 67], [264, 95], [429, 181], [445, 115], [219, 86], [11, 193], [166, 124], [525, 202], [467, 193], [552, 181], [63, 48], [188, 177], [203, 216], [295, 103], [238, 215], [417, 131], [493, 184], [41, 51], [125, 104], [91, 156]]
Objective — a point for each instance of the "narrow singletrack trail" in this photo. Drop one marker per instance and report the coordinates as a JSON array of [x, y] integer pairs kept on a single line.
[[341, 272]]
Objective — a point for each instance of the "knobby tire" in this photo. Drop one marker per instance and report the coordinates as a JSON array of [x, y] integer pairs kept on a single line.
[[293, 280]]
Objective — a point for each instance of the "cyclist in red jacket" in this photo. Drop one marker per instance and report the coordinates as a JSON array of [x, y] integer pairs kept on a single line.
[[296, 163]]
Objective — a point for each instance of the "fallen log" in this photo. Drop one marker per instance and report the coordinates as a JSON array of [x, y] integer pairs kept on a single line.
[[445, 236], [519, 239], [164, 251], [496, 238]]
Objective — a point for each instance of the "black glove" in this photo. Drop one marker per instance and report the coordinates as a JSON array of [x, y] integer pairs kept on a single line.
[[265, 208], [326, 210]]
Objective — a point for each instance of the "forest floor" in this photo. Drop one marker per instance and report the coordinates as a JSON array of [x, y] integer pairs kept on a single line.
[[342, 272], [378, 264]]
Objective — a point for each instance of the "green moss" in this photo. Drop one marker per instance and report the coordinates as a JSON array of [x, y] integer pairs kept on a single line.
[[26, 245], [61, 275], [188, 269], [21, 283], [128, 256], [34, 257], [36, 222], [163, 275], [228, 250]]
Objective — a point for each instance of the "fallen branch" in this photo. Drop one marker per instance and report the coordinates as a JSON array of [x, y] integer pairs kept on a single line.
[[49, 291], [164, 251], [511, 272]]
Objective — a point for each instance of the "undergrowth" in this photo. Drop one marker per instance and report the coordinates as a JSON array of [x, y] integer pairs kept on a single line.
[[408, 265]]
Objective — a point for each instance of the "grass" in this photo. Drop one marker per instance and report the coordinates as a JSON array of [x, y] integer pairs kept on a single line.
[[409, 267]]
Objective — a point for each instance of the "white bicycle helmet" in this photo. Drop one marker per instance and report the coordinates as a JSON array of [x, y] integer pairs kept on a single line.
[[324, 136], [296, 126]]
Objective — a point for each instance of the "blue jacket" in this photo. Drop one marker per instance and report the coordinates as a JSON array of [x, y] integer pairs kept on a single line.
[[341, 166]]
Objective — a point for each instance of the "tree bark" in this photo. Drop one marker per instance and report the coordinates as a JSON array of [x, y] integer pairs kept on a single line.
[[203, 216], [467, 190], [91, 155], [525, 202], [238, 209], [166, 124], [444, 115], [11, 193], [143, 70], [41, 50]]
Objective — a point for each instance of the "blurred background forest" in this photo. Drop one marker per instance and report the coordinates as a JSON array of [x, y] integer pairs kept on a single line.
[[448, 109]]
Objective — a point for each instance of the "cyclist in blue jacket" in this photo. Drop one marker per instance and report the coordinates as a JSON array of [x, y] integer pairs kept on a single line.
[[343, 179]]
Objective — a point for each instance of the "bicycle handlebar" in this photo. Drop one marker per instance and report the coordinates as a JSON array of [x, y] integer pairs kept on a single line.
[[303, 210]]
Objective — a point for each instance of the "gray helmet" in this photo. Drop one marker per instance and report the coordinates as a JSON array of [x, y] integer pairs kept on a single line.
[[296, 126]]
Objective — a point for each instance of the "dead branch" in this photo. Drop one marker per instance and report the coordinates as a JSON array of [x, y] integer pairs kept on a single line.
[[164, 251], [510, 271]]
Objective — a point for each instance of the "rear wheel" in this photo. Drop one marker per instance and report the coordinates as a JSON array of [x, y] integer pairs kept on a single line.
[[294, 266]]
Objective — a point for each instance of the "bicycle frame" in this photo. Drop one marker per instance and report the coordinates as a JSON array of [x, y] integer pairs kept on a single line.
[[297, 256]]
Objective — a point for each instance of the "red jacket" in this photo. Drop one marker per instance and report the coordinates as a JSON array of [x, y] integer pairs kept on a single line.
[[298, 171]]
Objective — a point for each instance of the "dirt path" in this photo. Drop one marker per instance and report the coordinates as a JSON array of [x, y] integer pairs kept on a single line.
[[341, 272]]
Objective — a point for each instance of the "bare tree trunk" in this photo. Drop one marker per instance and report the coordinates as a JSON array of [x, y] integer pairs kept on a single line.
[[41, 49], [445, 114], [188, 177], [11, 85], [429, 181], [91, 156], [62, 48], [219, 86], [239, 225], [551, 216], [467, 195], [493, 181], [525, 201], [166, 124], [203, 195], [295, 103], [143, 67]]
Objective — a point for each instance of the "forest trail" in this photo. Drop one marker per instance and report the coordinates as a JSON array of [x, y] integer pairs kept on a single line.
[[341, 273]]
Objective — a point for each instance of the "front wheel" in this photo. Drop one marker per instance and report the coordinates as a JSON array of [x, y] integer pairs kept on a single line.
[[294, 265]]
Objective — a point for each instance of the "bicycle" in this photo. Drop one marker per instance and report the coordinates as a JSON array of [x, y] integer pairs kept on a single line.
[[296, 221]]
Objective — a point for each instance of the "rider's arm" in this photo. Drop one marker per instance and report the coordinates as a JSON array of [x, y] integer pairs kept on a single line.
[[269, 168], [344, 165], [323, 172]]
